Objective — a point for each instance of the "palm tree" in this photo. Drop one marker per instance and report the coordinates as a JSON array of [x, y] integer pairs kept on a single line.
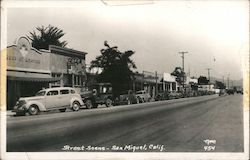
[[116, 67], [46, 36]]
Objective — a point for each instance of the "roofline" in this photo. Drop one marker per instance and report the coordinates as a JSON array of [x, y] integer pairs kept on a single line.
[[66, 51]]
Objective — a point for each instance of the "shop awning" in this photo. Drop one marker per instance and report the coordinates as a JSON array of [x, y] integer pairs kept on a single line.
[[31, 77]]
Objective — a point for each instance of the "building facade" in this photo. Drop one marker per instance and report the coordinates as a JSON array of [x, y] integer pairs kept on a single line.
[[30, 70]]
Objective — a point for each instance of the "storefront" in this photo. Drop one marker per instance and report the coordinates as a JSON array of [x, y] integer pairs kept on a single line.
[[169, 82], [27, 71], [69, 65], [30, 70]]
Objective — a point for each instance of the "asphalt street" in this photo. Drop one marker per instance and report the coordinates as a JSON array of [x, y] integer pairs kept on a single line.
[[197, 124]]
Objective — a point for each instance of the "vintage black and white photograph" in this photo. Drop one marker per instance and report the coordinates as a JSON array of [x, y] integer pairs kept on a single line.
[[110, 79]]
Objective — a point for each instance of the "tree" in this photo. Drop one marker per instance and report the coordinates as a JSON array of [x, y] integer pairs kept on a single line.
[[203, 80], [46, 36], [116, 68], [179, 74], [220, 85]]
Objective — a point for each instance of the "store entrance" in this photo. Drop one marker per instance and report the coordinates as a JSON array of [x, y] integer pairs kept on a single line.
[[17, 89]]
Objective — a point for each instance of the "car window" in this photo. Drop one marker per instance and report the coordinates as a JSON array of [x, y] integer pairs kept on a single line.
[[52, 93], [72, 92], [64, 91], [40, 93]]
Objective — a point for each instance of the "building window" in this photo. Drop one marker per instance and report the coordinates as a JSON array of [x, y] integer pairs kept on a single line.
[[58, 83]]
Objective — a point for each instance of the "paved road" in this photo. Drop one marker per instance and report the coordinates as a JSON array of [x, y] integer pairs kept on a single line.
[[176, 126]]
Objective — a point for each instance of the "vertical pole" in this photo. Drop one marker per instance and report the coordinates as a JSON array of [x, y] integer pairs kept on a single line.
[[142, 81], [182, 56], [156, 83], [208, 73]]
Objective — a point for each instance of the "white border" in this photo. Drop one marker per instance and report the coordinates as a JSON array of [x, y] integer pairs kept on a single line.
[[99, 155]]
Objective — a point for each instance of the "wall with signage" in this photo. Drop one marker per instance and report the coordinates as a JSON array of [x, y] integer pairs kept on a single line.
[[67, 65], [23, 57]]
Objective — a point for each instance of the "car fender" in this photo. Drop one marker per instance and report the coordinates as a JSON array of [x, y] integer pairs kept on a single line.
[[76, 99], [41, 107]]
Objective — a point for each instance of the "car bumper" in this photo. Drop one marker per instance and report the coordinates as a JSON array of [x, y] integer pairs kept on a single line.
[[19, 110]]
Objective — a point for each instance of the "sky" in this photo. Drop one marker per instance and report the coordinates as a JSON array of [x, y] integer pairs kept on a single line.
[[214, 33]]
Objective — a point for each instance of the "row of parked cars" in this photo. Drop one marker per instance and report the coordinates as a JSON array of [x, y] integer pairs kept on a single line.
[[62, 98]]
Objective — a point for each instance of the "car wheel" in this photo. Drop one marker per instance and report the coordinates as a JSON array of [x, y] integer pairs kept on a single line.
[[89, 104], [75, 106], [128, 102], [139, 99], [62, 110], [108, 102], [33, 110]]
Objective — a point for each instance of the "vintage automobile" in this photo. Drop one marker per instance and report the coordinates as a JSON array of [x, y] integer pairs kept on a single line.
[[175, 95], [59, 98], [230, 91], [162, 96], [143, 96], [126, 98], [99, 93]]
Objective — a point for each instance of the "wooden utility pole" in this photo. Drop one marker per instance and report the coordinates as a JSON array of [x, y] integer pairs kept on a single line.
[[182, 56], [183, 65], [208, 73]]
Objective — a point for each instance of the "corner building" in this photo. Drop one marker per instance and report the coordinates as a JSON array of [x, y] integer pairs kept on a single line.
[[30, 70]]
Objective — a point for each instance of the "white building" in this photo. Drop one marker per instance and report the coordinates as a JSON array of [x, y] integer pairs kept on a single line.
[[169, 83]]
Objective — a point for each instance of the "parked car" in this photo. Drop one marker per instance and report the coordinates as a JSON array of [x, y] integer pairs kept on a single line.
[[175, 95], [99, 93], [239, 91], [59, 98], [230, 91], [143, 96], [162, 96], [127, 98]]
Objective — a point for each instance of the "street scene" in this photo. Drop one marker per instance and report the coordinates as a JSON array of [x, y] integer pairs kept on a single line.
[[106, 77], [179, 125]]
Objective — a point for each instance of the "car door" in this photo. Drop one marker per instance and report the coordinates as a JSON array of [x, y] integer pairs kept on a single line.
[[64, 98], [52, 99]]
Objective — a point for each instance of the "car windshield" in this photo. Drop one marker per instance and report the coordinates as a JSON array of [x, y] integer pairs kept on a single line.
[[40, 93]]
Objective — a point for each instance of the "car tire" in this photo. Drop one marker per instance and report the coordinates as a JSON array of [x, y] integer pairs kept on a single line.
[[95, 105], [139, 99], [108, 102], [62, 110], [33, 110], [89, 104], [128, 102], [75, 106]]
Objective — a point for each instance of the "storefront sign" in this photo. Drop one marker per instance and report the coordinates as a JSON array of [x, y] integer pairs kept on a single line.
[[25, 57]]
